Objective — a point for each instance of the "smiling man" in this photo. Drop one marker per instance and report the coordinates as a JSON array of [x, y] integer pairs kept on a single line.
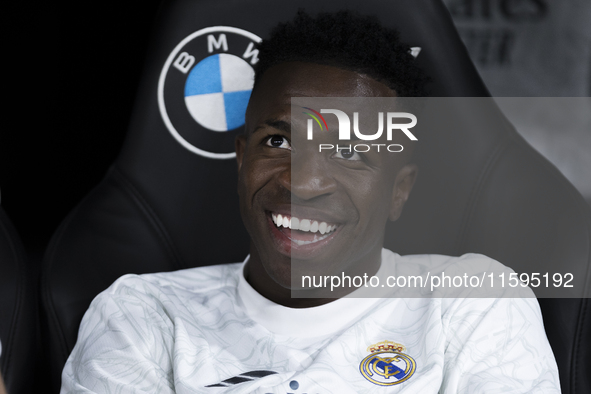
[[303, 207], [249, 327]]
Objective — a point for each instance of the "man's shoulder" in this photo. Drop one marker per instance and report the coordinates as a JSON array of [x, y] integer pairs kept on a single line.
[[471, 275], [197, 280], [475, 262]]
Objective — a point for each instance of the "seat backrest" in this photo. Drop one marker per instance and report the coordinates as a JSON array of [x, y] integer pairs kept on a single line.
[[169, 201], [18, 313], [483, 189]]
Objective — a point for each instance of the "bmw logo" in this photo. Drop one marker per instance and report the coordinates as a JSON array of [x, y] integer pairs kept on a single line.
[[204, 88]]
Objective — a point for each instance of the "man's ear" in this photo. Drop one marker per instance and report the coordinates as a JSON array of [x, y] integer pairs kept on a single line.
[[240, 145], [405, 180]]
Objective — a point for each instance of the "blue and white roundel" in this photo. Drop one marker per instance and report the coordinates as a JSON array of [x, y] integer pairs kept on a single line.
[[217, 91], [204, 88]]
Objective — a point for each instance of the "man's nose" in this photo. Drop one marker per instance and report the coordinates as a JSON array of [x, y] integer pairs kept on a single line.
[[309, 177]]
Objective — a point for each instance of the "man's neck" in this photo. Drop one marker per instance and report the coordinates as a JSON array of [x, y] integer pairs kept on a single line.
[[260, 280]]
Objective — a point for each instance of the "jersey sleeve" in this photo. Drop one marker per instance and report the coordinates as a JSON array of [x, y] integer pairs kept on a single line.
[[498, 346], [122, 343]]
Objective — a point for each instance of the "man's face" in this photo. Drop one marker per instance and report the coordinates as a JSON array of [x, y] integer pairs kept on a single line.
[[350, 196]]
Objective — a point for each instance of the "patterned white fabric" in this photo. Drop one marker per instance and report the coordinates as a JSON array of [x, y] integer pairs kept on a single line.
[[183, 331]]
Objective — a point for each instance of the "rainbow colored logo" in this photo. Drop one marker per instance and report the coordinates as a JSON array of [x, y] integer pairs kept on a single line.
[[316, 118]]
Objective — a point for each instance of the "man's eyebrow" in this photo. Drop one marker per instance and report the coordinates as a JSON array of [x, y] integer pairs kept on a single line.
[[276, 124]]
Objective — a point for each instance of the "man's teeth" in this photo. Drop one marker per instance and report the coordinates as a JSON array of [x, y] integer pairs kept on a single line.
[[302, 224]]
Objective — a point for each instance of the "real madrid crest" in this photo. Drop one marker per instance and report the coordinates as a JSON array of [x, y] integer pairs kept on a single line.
[[204, 88], [387, 365]]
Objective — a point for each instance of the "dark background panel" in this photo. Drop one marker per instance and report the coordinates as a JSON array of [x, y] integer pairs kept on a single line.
[[73, 71]]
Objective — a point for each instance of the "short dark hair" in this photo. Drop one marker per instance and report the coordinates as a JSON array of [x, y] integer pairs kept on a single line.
[[346, 40]]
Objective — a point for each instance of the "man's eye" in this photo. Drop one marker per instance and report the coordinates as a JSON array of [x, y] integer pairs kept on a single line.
[[346, 154], [278, 141]]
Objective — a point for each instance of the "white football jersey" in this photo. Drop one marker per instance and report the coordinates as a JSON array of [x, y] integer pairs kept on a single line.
[[206, 330]]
